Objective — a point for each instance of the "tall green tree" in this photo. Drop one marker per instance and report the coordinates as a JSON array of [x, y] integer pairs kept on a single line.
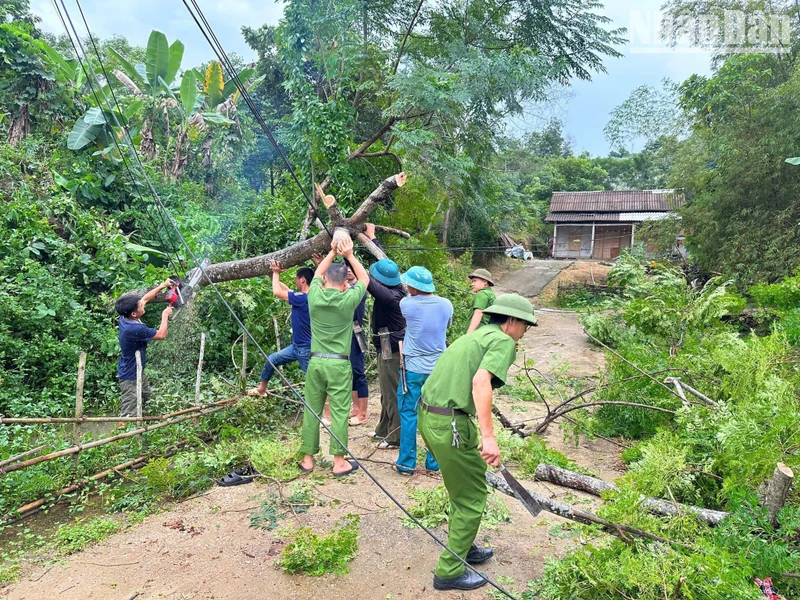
[[365, 86]]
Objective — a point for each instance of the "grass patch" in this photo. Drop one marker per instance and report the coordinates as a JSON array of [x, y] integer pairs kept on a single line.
[[316, 555], [432, 507], [74, 538], [276, 458]]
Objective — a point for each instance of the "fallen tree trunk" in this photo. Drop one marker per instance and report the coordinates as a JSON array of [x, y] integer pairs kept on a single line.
[[581, 516], [299, 253], [591, 485]]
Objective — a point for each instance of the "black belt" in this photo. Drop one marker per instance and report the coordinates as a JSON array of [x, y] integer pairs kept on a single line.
[[440, 410], [324, 355]]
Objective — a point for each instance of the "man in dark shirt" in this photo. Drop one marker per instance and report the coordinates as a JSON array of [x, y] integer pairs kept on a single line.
[[385, 287], [134, 336], [300, 348]]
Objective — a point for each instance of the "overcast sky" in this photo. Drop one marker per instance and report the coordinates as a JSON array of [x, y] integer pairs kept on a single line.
[[584, 110]]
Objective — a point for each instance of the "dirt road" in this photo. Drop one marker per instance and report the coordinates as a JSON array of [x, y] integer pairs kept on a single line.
[[204, 548]]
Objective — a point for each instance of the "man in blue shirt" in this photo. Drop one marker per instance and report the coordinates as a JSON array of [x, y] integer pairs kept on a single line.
[[134, 336], [427, 318], [300, 348]]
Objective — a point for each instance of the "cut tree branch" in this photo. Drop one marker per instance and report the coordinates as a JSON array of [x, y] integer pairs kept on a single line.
[[581, 516], [592, 485]]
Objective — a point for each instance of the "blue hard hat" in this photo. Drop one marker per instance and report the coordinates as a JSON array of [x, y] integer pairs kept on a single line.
[[386, 272], [420, 279]]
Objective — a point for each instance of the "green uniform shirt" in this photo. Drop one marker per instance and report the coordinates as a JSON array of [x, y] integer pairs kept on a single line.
[[450, 384], [331, 313], [483, 300]]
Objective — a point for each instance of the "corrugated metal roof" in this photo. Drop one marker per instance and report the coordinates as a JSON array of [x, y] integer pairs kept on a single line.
[[616, 201], [568, 217]]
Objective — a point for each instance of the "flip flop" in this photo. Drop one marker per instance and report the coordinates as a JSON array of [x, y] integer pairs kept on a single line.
[[255, 392], [353, 422], [232, 479], [402, 471], [384, 445], [303, 469], [353, 467]]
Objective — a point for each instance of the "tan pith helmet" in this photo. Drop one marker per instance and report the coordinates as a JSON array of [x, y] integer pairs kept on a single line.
[[512, 305], [482, 274]]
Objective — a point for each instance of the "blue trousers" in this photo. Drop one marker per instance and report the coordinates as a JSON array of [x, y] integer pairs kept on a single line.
[[284, 357], [357, 362], [407, 407]]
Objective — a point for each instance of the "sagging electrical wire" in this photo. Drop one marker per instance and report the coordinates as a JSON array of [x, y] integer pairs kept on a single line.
[[283, 379], [216, 46]]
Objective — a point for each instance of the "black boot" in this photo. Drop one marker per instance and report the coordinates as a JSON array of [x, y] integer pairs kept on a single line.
[[478, 556], [468, 580]]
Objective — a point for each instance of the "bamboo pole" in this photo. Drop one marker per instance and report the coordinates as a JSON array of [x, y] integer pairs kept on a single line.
[[139, 374], [277, 333], [54, 420], [33, 507], [212, 408], [76, 432], [199, 372], [102, 442], [17, 457], [243, 372]]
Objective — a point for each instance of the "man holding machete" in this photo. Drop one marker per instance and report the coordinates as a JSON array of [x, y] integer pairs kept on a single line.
[[459, 388]]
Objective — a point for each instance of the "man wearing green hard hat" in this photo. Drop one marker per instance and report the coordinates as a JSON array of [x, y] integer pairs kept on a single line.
[[460, 388]]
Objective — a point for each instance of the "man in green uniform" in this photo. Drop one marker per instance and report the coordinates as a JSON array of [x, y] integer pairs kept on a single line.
[[459, 388], [331, 303], [484, 297]]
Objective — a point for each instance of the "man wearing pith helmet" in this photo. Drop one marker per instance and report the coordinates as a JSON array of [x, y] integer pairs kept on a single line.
[[427, 318], [482, 284], [460, 388]]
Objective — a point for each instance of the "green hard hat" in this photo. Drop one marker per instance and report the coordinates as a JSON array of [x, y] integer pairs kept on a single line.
[[513, 305]]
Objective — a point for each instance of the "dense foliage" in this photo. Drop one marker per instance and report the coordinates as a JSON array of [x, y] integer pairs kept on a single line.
[[709, 456]]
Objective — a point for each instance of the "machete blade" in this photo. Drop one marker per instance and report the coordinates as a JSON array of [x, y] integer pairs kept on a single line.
[[521, 493]]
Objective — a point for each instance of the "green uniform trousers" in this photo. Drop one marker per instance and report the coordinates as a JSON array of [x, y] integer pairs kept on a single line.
[[331, 378], [389, 375], [464, 473]]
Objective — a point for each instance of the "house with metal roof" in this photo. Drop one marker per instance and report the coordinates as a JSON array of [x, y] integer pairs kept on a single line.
[[600, 224]]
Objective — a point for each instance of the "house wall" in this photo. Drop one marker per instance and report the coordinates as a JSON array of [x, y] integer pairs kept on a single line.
[[609, 240], [573, 241]]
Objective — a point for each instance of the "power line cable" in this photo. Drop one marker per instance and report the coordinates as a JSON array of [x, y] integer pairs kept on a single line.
[[218, 49], [260, 349]]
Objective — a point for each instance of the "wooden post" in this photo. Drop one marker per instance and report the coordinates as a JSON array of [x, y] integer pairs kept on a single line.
[[774, 491], [139, 375], [76, 432], [277, 333], [199, 372], [243, 373]]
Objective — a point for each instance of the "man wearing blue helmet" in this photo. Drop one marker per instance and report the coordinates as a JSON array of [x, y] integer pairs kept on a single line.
[[427, 318]]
